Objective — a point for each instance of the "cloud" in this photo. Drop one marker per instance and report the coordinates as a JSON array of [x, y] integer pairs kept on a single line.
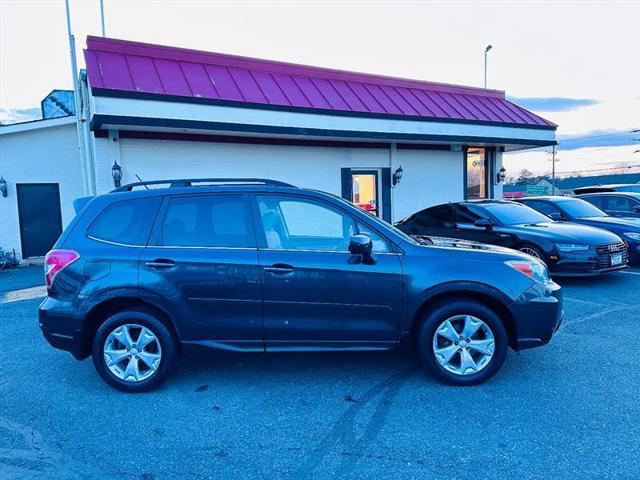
[[597, 138], [17, 115], [553, 104]]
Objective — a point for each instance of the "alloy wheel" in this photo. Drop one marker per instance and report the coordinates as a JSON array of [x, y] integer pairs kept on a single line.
[[132, 352], [463, 345], [530, 251]]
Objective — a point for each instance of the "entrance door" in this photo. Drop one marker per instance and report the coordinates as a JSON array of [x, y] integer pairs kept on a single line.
[[369, 189], [39, 216], [364, 190]]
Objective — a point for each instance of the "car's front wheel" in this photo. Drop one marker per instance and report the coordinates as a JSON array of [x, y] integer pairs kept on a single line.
[[462, 342], [133, 351]]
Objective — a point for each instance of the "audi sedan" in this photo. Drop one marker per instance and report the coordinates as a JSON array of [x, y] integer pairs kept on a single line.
[[567, 248], [576, 210]]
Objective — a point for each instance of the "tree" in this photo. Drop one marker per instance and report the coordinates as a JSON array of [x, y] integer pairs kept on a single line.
[[524, 176]]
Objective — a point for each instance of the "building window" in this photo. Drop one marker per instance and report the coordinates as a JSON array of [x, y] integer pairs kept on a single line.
[[477, 172]]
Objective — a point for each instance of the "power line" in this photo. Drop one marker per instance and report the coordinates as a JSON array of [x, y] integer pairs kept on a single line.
[[601, 169]]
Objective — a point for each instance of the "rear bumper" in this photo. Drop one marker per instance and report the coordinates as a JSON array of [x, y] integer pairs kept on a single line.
[[538, 314], [61, 327]]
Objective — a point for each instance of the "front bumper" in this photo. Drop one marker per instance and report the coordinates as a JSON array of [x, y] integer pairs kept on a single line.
[[591, 262], [538, 314], [61, 326]]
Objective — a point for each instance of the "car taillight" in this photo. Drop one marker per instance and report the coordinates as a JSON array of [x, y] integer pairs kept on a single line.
[[55, 261]]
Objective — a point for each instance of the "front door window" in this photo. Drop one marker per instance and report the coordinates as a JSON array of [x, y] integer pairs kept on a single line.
[[364, 191], [476, 173]]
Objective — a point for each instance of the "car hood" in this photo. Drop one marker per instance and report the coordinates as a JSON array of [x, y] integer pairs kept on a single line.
[[630, 224], [471, 250], [568, 232]]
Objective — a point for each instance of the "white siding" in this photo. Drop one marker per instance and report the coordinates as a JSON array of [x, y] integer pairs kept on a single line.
[[430, 177], [41, 155]]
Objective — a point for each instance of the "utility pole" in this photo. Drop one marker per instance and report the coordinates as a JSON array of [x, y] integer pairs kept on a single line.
[[553, 169], [102, 17], [77, 102], [486, 51]]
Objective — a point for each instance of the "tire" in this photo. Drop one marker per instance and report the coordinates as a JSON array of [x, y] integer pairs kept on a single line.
[[133, 370], [532, 250], [456, 312]]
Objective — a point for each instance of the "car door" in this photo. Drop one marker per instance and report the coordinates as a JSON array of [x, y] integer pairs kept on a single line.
[[202, 264], [465, 227], [316, 294], [435, 221]]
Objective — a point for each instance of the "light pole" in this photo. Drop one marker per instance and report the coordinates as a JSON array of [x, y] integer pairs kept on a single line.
[[486, 51]]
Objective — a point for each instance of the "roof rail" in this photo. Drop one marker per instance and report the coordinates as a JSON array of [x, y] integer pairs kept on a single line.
[[189, 182]]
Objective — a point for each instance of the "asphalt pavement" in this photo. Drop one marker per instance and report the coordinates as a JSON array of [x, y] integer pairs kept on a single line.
[[568, 410]]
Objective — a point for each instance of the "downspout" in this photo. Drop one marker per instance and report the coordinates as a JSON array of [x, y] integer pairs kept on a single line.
[[90, 158], [393, 157]]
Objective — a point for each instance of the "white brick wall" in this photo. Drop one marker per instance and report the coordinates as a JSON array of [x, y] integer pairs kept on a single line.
[[42, 155]]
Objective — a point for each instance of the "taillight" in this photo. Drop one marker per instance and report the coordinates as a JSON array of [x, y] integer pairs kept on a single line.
[[55, 261]]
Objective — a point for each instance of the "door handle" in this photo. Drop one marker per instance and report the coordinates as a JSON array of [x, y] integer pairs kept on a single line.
[[279, 268], [161, 263]]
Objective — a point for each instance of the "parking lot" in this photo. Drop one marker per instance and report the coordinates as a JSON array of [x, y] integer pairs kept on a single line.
[[568, 410]]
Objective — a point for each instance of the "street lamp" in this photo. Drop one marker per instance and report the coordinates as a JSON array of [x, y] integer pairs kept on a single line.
[[486, 50]]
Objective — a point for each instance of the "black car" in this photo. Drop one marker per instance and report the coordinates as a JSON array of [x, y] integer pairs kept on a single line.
[[576, 210], [616, 204], [619, 187], [568, 249], [257, 265]]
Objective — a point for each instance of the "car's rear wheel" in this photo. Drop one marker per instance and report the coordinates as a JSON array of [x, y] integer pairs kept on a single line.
[[133, 351], [462, 342]]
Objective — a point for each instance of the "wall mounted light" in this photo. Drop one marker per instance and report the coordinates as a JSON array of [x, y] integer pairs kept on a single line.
[[397, 176], [3, 187], [116, 173], [502, 174]]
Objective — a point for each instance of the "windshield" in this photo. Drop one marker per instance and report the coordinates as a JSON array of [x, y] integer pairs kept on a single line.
[[515, 214], [580, 209]]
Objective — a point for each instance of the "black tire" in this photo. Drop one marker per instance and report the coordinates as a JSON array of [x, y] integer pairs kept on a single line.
[[534, 248], [434, 318], [162, 334]]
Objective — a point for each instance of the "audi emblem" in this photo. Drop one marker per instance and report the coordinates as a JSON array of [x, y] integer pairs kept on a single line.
[[614, 248]]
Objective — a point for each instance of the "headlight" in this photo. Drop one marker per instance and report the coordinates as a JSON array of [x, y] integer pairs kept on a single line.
[[571, 247], [534, 270], [632, 235]]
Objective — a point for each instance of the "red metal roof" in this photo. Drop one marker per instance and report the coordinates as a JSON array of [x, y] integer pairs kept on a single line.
[[124, 66]]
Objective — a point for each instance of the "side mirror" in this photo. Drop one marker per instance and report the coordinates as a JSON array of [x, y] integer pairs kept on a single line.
[[557, 216], [362, 245], [483, 223], [636, 208]]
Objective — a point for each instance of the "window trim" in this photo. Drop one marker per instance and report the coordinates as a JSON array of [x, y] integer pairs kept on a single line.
[[155, 239], [261, 240], [489, 157]]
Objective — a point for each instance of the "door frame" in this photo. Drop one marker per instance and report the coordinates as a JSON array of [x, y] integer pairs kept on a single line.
[[383, 177], [21, 216]]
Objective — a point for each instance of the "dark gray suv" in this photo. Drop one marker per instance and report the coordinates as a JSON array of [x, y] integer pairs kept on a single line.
[[257, 265]]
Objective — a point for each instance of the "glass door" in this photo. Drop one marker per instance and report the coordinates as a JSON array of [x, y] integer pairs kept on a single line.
[[364, 190]]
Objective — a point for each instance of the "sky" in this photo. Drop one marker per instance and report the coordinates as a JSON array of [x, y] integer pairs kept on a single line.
[[574, 63]]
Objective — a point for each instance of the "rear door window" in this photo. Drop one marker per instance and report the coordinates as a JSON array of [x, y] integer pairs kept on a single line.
[[207, 221], [127, 222]]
